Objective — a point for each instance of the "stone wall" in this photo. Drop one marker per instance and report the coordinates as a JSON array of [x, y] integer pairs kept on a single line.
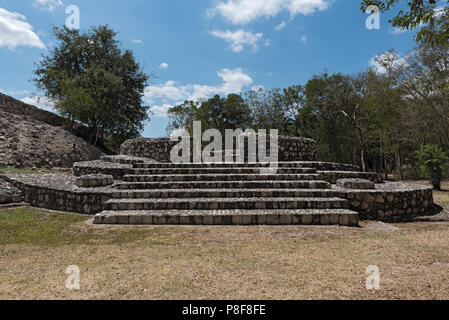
[[9, 193], [10, 105], [58, 192], [290, 148], [390, 202], [334, 176], [116, 170]]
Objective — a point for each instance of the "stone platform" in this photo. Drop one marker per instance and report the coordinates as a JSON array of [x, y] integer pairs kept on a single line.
[[340, 217], [145, 191]]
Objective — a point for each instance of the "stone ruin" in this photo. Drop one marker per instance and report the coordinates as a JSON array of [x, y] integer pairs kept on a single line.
[[142, 187]]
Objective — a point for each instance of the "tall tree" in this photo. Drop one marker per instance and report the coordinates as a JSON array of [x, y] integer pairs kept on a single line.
[[356, 90], [91, 80]]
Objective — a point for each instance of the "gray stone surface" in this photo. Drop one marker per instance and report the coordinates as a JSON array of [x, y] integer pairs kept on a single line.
[[389, 201], [355, 183], [290, 148], [230, 217], [179, 187], [334, 176], [59, 192], [94, 181], [9, 194], [225, 203], [117, 170]]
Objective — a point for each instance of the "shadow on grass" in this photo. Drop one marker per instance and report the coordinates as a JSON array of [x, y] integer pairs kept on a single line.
[[436, 214]]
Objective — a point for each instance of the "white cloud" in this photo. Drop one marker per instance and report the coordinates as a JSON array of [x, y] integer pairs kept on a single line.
[[233, 81], [163, 65], [49, 5], [258, 88], [167, 91], [280, 26], [397, 31], [15, 31], [239, 39], [137, 41], [388, 58], [304, 38], [41, 102], [160, 111], [15, 92], [245, 11]]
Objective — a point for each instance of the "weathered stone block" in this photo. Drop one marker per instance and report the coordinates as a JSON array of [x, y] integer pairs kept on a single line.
[[355, 184]]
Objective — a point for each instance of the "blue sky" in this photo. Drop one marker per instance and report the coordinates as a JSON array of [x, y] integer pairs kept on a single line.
[[201, 47]]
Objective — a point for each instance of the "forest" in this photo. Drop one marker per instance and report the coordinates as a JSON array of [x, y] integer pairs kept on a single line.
[[392, 118]]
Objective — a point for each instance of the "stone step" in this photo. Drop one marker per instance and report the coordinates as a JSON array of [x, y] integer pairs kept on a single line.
[[224, 193], [310, 184], [218, 170], [122, 159], [221, 177], [341, 217], [290, 164], [333, 176], [225, 203]]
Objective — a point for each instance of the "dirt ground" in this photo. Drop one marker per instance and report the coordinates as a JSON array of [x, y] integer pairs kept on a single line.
[[228, 262]]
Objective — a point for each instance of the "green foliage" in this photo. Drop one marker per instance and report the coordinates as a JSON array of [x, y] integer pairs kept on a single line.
[[432, 159], [45, 228], [216, 113], [91, 80], [420, 12], [387, 115]]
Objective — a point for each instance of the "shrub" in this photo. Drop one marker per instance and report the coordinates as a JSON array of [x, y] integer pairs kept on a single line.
[[432, 159]]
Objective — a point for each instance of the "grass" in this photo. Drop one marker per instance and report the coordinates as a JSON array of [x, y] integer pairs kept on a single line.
[[442, 196], [192, 262], [13, 170]]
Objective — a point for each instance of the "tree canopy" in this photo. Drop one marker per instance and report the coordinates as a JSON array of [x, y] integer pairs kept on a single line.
[[376, 118], [421, 13], [217, 113], [93, 81]]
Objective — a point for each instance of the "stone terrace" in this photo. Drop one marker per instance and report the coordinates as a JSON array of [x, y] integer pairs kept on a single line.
[[133, 190]]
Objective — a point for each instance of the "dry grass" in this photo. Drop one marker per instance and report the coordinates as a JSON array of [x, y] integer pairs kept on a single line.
[[167, 262], [13, 170]]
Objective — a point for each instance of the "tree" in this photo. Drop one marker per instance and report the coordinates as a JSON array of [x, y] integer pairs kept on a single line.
[[423, 79], [356, 93], [91, 80], [269, 110], [420, 12], [432, 159], [215, 113], [327, 95]]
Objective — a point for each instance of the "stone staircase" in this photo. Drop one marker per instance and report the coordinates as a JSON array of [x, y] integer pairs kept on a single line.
[[230, 194]]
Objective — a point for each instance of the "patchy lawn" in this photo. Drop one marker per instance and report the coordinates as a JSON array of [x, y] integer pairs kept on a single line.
[[12, 170], [192, 262]]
